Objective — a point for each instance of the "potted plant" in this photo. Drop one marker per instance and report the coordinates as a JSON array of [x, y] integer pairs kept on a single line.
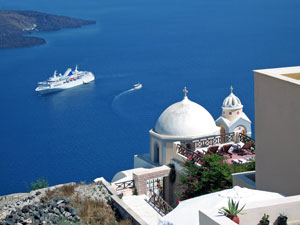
[[282, 219], [264, 220], [232, 211]]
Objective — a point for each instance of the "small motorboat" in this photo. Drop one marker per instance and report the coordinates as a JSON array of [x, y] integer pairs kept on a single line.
[[137, 86]]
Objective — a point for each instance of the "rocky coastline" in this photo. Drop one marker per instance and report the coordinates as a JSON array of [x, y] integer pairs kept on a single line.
[[14, 25], [54, 204]]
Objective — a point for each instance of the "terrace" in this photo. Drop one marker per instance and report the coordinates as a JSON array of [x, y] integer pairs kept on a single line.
[[237, 149]]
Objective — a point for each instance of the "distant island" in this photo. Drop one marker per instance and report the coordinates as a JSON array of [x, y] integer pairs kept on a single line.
[[14, 25]]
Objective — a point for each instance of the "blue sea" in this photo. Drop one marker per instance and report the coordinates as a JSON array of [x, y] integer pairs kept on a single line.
[[94, 130]]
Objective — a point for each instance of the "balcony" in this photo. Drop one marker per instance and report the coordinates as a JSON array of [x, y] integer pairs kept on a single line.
[[235, 148]]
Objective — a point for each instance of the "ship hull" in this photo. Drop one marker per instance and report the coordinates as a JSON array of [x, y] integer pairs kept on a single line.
[[49, 90], [89, 77]]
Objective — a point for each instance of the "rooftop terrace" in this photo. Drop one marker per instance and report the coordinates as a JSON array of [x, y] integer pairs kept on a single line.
[[239, 152], [292, 75], [289, 74]]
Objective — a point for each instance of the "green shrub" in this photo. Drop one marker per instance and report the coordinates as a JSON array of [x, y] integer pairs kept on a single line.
[[40, 183], [213, 175]]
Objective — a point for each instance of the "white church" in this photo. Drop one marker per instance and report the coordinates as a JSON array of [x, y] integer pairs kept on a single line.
[[185, 122], [188, 124]]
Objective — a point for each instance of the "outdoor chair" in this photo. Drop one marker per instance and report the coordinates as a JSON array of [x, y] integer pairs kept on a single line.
[[224, 150], [247, 148], [248, 145], [242, 161], [239, 161], [242, 152], [199, 154], [235, 161], [212, 150]]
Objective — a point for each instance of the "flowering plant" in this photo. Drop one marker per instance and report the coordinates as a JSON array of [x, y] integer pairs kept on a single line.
[[213, 175]]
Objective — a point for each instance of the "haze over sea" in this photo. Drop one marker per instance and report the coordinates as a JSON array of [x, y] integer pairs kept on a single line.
[[88, 132]]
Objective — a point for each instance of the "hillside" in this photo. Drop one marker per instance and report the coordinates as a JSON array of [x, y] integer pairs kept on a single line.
[[14, 24]]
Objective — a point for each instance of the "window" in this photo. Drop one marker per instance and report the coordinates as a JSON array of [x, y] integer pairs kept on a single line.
[[156, 153], [230, 113]]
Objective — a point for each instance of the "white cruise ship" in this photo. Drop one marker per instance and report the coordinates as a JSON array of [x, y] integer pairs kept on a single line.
[[68, 80]]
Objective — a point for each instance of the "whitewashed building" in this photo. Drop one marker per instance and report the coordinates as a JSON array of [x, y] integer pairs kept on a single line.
[[233, 119]]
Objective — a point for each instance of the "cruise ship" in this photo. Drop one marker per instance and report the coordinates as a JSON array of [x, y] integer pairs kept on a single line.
[[68, 80]]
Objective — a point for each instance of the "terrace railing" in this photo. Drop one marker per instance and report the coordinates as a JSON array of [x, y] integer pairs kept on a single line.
[[160, 203], [124, 185], [210, 141], [214, 140], [244, 138], [188, 153]]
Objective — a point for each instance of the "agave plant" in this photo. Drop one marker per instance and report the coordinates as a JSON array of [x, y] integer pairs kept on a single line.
[[232, 211]]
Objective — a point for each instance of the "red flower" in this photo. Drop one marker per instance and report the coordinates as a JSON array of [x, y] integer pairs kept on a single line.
[[177, 202]]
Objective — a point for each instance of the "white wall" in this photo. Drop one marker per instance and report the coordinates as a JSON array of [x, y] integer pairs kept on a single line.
[[277, 127], [290, 206], [205, 218], [253, 212]]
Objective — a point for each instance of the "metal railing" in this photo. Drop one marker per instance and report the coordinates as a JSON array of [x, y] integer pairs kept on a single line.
[[124, 185], [214, 140], [196, 157], [210, 141], [160, 203], [244, 138]]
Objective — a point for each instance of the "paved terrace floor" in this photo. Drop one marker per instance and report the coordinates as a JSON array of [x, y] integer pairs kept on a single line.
[[139, 204], [240, 159]]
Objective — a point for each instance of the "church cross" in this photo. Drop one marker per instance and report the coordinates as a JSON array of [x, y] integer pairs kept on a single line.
[[185, 91], [231, 88]]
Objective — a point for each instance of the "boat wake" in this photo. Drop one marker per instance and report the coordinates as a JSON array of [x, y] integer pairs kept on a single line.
[[123, 93], [135, 88], [115, 75], [117, 97]]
